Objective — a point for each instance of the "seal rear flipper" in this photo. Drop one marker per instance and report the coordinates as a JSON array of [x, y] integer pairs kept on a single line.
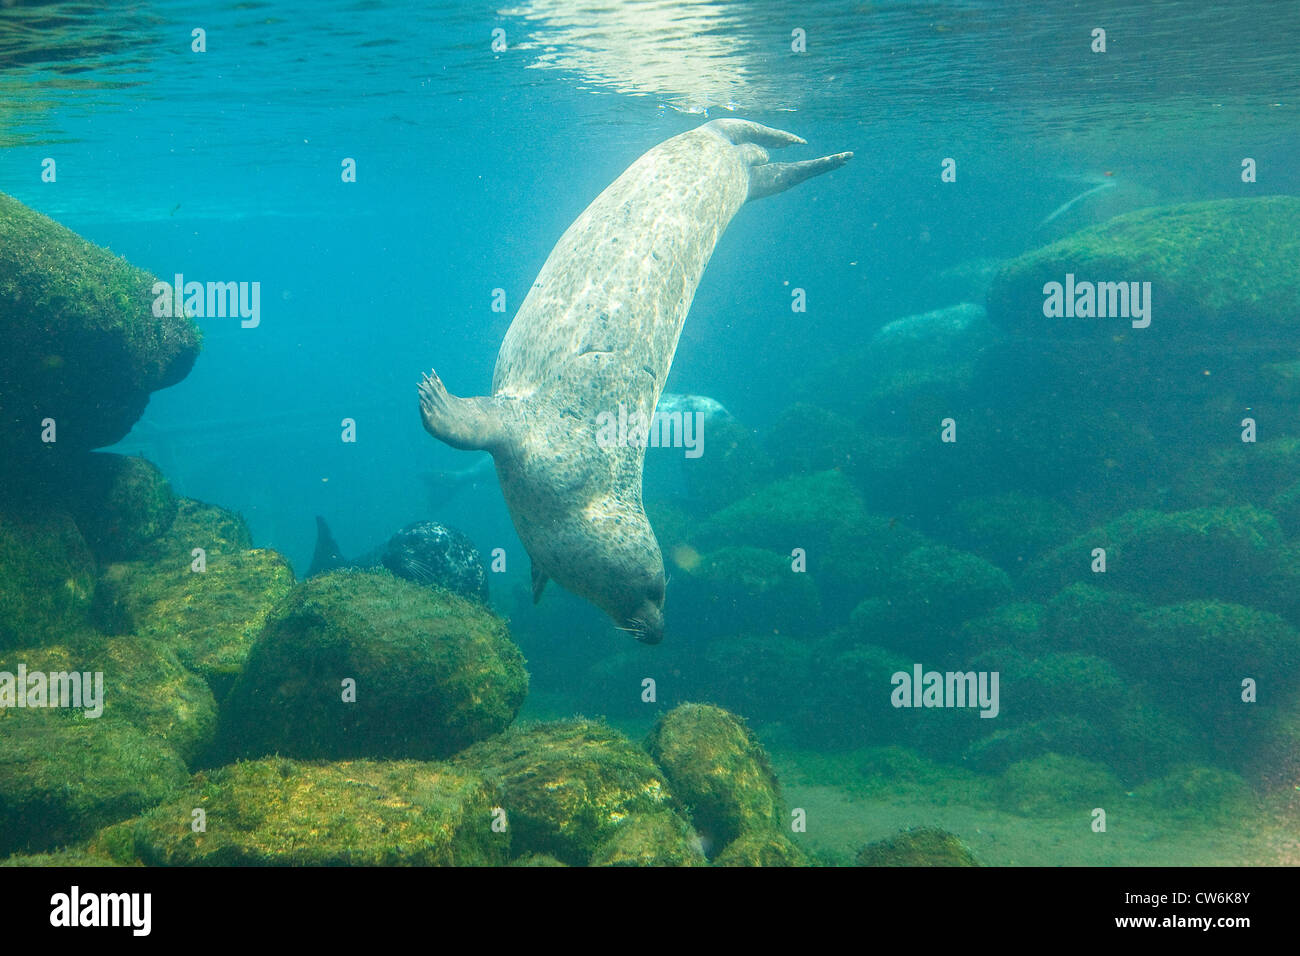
[[769, 178], [326, 556], [470, 424], [539, 583]]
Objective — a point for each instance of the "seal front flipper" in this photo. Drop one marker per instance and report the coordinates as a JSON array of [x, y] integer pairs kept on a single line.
[[469, 424], [539, 582]]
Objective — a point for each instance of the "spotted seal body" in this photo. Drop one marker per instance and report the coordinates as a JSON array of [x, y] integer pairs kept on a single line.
[[597, 331]]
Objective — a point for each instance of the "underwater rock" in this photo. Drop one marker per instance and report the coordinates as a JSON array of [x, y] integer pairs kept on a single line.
[[47, 577], [1086, 618], [535, 859], [71, 856], [79, 342], [806, 439], [756, 675], [651, 839], [144, 685], [1203, 794], [932, 592], [733, 465], [1017, 624], [278, 812], [210, 616], [912, 369], [719, 771], [761, 848], [1056, 784], [1010, 529], [363, 664], [1226, 553], [1285, 506], [568, 786], [62, 777], [120, 504], [919, 846], [1222, 275], [848, 550], [743, 590]]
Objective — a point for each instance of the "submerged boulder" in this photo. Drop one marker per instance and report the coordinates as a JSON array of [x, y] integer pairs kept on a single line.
[[79, 342], [567, 787], [1222, 273], [919, 846], [277, 812], [360, 663], [208, 607], [47, 577], [64, 775], [719, 771]]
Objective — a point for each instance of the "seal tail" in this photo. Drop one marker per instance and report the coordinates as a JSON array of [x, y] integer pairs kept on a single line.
[[470, 424]]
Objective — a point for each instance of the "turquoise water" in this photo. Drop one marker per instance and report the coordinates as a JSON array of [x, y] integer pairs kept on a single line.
[[470, 163]]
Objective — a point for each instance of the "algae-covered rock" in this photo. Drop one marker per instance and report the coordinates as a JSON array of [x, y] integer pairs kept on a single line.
[[919, 846], [535, 859], [360, 663], [761, 848], [718, 770], [70, 856], [79, 341], [743, 591], [277, 812], [47, 577], [64, 776], [568, 786], [806, 438], [934, 591], [1220, 272], [801, 511], [1054, 784], [209, 616], [1011, 529], [654, 839], [1228, 553], [120, 503], [1201, 793], [143, 684]]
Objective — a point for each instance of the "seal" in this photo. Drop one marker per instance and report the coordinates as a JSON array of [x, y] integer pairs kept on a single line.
[[425, 552], [598, 330]]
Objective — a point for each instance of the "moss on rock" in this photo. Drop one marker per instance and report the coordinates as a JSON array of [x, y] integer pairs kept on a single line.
[[761, 848], [79, 342], [120, 503], [744, 591], [210, 617], [64, 776], [652, 839], [277, 812], [47, 577], [568, 786], [719, 770], [144, 685], [919, 846], [433, 673]]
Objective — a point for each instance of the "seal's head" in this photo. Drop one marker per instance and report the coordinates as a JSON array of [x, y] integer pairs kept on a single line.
[[610, 557]]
